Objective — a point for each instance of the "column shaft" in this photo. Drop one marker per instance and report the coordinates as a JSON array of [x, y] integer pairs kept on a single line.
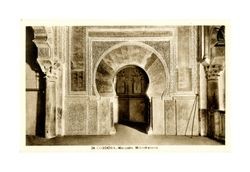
[[50, 118]]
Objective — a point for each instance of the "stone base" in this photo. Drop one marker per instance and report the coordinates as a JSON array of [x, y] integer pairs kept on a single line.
[[216, 125]]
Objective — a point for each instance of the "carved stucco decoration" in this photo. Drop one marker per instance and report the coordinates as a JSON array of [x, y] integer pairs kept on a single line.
[[43, 41], [120, 56], [50, 68]]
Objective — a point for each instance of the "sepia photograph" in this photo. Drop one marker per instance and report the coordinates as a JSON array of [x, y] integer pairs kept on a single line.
[[125, 86]]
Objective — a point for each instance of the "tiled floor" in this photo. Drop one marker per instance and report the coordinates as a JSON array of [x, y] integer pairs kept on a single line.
[[125, 135]]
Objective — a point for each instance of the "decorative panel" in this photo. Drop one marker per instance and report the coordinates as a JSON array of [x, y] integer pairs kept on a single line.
[[142, 33], [98, 48], [104, 120], [75, 116], [92, 116], [78, 59], [183, 46], [169, 110], [77, 80], [184, 79], [163, 47]]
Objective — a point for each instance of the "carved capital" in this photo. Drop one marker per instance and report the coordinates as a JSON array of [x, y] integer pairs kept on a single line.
[[213, 71], [44, 59], [50, 68]]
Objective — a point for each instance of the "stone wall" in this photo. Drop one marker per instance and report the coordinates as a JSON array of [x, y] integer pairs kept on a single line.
[[93, 55], [170, 85]]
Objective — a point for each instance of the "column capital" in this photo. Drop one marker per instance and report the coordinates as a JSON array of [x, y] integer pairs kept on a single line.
[[213, 71], [48, 65], [50, 68]]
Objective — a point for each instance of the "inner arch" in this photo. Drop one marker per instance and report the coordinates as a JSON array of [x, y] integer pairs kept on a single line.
[[131, 87]]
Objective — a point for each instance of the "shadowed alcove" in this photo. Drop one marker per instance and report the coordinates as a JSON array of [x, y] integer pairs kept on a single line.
[[133, 102]]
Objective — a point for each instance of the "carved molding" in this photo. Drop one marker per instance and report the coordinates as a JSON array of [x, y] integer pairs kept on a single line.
[[48, 66], [144, 46]]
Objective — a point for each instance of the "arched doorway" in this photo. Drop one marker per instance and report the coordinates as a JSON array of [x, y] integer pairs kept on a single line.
[[133, 103], [150, 62]]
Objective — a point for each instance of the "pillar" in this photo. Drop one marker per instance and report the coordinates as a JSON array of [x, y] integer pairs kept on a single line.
[[49, 67], [213, 72], [213, 86], [157, 117], [115, 112], [50, 118], [205, 46], [150, 128], [203, 101], [203, 58]]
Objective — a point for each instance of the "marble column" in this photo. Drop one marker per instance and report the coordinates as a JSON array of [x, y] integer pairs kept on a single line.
[[50, 118], [50, 68], [205, 47], [213, 73], [204, 61], [203, 101]]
